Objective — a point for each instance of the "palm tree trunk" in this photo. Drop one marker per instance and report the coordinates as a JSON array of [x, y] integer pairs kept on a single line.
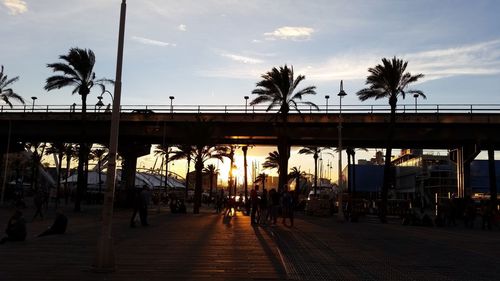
[[187, 176], [315, 173], [68, 174], [100, 173], [353, 174], [211, 175], [198, 188], [349, 174], [59, 168], [387, 164], [245, 167], [82, 156], [284, 152], [166, 167]]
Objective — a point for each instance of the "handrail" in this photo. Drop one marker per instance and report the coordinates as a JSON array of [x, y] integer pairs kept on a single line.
[[242, 109]]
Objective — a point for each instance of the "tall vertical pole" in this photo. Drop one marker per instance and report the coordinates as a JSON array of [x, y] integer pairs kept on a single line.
[[340, 181], [105, 259]]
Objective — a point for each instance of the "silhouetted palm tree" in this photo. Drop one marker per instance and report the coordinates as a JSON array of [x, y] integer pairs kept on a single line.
[[200, 156], [278, 89], [230, 150], [261, 178], [314, 151], [184, 151], [70, 153], [164, 151], [58, 149], [77, 71], [273, 161], [296, 174], [37, 150], [6, 93], [389, 80], [212, 172]]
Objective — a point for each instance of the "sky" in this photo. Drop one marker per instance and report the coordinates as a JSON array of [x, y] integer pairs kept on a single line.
[[214, 51]]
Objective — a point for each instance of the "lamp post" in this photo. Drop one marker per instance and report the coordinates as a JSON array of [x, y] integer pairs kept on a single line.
[[327, 97], [33, 105], [99, 103], [246, 103], [105, 258], [341, 94], [171, 105], [415, 96]]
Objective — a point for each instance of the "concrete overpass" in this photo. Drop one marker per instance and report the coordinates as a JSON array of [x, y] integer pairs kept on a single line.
[[466, 128]]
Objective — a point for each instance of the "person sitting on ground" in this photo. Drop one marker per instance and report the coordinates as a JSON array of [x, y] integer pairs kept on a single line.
[[59, 225], [16, 228]]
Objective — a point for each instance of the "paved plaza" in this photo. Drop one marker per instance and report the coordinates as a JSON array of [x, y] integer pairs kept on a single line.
[[209, 246]]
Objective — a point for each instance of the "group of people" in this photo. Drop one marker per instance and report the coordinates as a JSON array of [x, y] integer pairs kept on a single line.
[[263, 207], [16, 227]]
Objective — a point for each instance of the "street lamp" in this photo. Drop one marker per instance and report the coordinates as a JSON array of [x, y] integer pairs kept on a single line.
[[246, 103], [415, 96], [33, 106], [105, 258], [171, 106], [327, 97], [341, 94]]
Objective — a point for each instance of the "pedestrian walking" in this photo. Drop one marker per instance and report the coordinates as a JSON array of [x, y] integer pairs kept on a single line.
[[254, 200], [136, 204], [287, 207], [143, 207]]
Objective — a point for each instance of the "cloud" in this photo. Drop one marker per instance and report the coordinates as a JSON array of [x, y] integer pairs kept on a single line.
[[16, 7], [243, 59], [152, 42], [296, 33], [474, 59], [182, 27]]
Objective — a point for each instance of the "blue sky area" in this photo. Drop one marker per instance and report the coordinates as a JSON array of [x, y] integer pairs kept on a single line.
[[214, 51]]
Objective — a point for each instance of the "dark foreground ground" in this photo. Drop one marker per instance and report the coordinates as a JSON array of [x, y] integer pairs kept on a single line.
[[210, 247]]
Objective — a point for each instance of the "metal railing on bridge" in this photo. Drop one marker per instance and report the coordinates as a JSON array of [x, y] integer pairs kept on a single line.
[[242, 109]]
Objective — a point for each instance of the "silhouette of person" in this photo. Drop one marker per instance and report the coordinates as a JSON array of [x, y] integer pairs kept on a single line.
[[59, 225], [16, 228]]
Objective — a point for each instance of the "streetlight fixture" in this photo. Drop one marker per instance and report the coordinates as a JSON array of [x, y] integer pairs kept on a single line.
[[246, 103], [415, 96], [33, 105], [171, 106], [327, 97], [105, 258], [341, 94]]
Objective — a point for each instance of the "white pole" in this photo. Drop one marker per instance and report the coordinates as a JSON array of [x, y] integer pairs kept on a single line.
[[105, 259]]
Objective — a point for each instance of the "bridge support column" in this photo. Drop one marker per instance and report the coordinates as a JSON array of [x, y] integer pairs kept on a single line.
[[130, 153], [463, 156]]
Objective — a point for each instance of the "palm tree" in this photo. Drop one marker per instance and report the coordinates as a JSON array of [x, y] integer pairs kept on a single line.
[[70, 152], [37, 150], [296, 174], [202, 153], [278, 89], [212, 172], [184, 151], [6, 93], [314, 151], [389, 80], [164, 151], [230, 155], [58, 149], [77, 72], [98, 154], [273, 161], [261, 178]]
